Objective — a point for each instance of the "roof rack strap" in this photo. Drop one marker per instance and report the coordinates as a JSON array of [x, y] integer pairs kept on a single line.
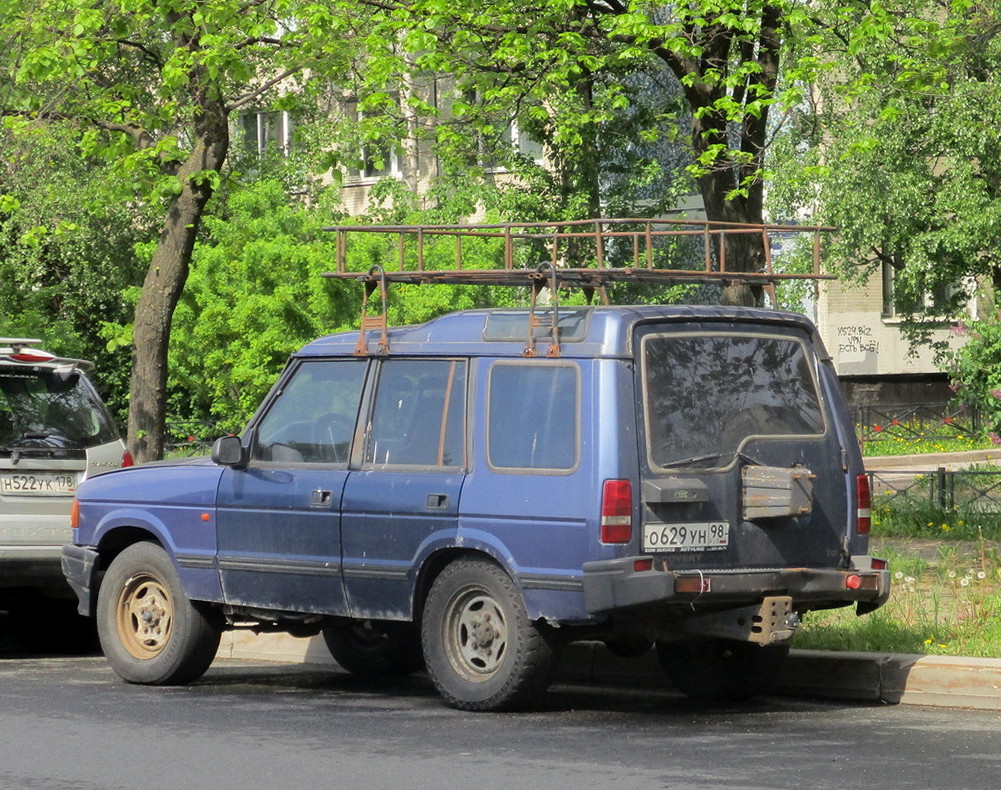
[[535, 323], [381, 321]]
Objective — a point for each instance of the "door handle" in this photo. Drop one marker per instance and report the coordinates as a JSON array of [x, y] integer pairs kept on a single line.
[[320, 498], [437, 501]]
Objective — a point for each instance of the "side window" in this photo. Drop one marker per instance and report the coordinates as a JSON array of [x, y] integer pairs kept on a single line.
[[533, 414], [418, 417], [313, 418]]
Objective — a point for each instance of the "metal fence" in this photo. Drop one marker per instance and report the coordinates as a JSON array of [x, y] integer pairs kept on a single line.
[[971, 490], [912, 422]]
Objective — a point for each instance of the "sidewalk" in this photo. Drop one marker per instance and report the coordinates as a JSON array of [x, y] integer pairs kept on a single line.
[[859, 677], [930, 461]]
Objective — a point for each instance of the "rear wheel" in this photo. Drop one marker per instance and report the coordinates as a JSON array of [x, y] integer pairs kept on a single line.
[[717, 669], [481, 650], [375, 648], [149, 630]]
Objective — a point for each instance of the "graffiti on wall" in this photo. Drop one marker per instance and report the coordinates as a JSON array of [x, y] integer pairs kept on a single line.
[[856, 339]]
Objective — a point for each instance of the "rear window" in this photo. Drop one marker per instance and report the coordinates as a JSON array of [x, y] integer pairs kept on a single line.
[[704, 394], [57, 409], [533, 414]]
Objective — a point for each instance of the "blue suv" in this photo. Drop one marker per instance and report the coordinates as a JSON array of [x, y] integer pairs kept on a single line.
[[684, 479]]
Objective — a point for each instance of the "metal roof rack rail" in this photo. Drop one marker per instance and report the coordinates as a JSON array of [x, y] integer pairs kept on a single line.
[[559, 239]]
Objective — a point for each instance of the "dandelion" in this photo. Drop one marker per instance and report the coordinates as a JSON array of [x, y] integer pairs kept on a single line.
[[952, 574], [981, 575], [909, 580], [898, 575], [964, 582]]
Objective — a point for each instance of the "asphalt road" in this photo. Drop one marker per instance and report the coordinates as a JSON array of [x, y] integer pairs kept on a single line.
[[70, 724]]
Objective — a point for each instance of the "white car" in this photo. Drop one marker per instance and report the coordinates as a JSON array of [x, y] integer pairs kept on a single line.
[[54, 432]]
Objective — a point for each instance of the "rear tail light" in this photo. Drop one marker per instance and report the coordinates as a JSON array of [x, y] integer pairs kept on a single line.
[[617, 511], [127, 459], [864, 513]]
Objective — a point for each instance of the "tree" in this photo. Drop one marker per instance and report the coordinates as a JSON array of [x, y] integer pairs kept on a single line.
[[902, 151], [726, 56], [150, 88]]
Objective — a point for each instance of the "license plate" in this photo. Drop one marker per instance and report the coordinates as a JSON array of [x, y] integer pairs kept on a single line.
[[37, 484], [708, 536]]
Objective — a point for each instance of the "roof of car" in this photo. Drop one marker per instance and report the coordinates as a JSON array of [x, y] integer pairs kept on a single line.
[[584, 331]]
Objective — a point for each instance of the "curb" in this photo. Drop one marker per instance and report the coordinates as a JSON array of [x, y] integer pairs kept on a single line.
[[941, 681]]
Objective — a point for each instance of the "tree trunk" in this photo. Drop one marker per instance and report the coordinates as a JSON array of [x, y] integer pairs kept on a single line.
[[163, 285]]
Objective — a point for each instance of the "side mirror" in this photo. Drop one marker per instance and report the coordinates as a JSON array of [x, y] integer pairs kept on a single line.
[[229, 451]]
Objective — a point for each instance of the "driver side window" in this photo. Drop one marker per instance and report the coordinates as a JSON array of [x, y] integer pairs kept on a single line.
[[312, 420]]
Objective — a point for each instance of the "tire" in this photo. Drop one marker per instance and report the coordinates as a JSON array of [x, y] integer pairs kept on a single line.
[[150, 631], [481, 650], [375, 648], [721, 669]]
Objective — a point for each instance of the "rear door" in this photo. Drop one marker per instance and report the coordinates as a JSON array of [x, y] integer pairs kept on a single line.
[[733, 417], [404, 496]]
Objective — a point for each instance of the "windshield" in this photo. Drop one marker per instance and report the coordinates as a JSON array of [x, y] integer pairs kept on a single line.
[[704, 394], [57, 409]]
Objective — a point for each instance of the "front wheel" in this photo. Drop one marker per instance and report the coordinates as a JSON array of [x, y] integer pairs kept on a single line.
[[721, 669], [150, 631], [481, 650]]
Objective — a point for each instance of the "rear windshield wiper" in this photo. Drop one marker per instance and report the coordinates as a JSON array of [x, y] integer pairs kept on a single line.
[[710, 457], [691, 460]]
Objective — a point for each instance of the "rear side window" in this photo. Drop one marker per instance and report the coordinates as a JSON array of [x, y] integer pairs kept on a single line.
[[313, 418], [418, 417], [533, 414], [705, 394], [51, 409]]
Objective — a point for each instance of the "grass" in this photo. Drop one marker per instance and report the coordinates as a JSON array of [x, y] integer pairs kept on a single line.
[[913, 445], [945, 562], [945, 600]]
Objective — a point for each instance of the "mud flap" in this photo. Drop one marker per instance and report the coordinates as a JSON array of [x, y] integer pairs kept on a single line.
[[768, 623]]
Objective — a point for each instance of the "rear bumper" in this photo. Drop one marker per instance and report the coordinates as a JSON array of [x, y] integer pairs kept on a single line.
[[80, 569], [615, 585]]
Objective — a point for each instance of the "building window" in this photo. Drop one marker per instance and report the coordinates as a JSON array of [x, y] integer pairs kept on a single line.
[[264, 131], [938, 301]]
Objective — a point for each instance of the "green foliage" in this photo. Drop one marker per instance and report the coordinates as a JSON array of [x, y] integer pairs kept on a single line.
[[67, 251], [254, 295], [901, 147], [975, 369]]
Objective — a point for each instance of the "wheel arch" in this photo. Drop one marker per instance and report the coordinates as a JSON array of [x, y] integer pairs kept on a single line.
[[437, 562], [115, 541]]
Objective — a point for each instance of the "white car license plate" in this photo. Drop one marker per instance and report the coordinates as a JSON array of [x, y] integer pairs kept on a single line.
[[59, 484], [707, 536]]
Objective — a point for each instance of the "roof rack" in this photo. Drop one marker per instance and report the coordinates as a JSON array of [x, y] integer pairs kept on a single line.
[[611, 240]]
